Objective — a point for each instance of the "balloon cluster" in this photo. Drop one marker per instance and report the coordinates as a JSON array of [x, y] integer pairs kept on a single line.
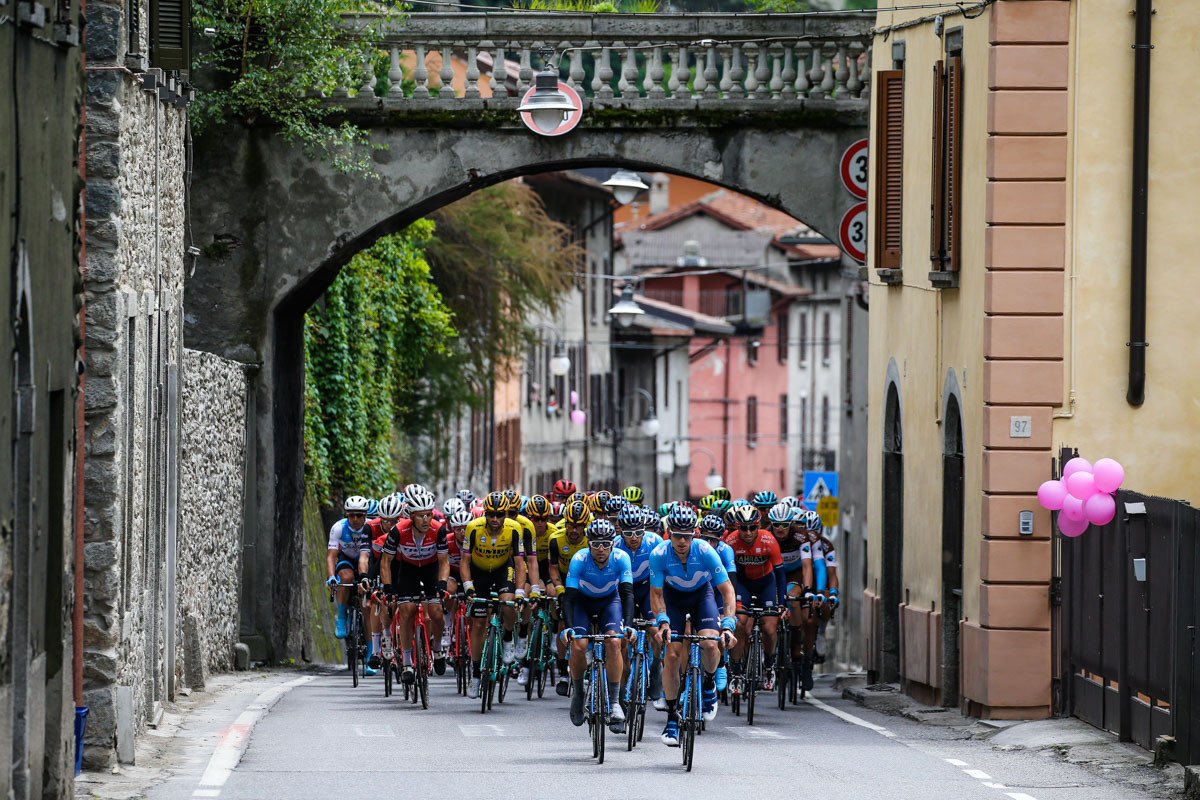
[[1083, 495]]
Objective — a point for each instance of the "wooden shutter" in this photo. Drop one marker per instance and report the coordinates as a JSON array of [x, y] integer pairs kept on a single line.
[[170, 32], [889, 169], [953, 159], [937, 183]]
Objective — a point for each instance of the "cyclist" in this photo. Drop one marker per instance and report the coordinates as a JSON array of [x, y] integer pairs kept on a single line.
[[682, 572], [764, 501], [532, 582], [612, 508], [721, 493], [562, 490], [467, 496], [493, 561], [638, 542], [761, 582], [706, 505], [348, 554], [419, 546], [633, 495], [380, 625], [711, 529], [564, 545], [599, 585], [825, 583], [537, 510], [455, 541]]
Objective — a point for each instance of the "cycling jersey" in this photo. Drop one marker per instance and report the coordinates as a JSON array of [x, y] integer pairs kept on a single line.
[[595, 581], [349, 542], [794, 550], [529, 533], [702, 565], [641, 558], [542, 540], [454, 552], [757, 559], [823, 558], [490, 551], [561, 551], [404, 542]]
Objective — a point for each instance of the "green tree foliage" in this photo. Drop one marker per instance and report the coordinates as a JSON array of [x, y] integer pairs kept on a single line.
[[367, 347], [261, 60]]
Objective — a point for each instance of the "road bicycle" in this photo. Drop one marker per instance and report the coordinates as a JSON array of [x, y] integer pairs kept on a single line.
[[459, 651], [783, 662], [689, 698], [494, 674], [422, 654], [540, 657], [747, 684], [640, 661], [597, 704], [356, 640]]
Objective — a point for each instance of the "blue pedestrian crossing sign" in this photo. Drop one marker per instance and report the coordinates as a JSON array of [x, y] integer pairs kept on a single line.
[[818, 485]]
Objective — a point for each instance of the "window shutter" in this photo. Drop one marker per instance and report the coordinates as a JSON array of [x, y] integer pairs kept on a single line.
[[937, 202], [889, 197], [953, 159], [170, 31]]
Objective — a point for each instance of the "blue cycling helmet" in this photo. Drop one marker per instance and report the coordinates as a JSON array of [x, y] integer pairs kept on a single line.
[[649, 518], [712, 526], [765, 499], [372, 507], [682, 518], [631, 519], [600, 530], [741, 501], [616, 504]]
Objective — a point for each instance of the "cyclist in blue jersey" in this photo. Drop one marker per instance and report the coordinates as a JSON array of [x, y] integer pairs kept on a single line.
[[348, 557], [682, 574], [638, 542], [711, 529], [599, 585]]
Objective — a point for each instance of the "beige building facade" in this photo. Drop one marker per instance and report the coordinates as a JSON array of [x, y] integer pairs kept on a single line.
[[999, 264]]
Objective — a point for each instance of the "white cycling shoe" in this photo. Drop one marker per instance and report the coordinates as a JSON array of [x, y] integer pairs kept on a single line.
[[510, 651]]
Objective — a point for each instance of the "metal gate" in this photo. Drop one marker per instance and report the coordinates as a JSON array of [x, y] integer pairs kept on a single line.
[[1128, 623]]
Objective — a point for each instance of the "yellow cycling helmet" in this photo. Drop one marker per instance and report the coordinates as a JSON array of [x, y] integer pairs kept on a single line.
[[633, 494], [721, 493], [496, 501], [538, 507], [707, 501], [514, 499], [577, 514]]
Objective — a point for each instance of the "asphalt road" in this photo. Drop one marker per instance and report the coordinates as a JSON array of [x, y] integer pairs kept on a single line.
[[324, 739]]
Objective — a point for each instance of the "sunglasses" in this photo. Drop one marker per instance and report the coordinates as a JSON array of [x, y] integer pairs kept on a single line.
[[682, 534], [747, 527], [494, 514], [600, 545], [356, 514], [781, 524]]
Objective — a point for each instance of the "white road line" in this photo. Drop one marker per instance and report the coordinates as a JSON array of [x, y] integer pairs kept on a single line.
[[743, 732], [978, 774], [994, 785], [1020, 796], [206, 793], [955, 762], [232, 745], [475, 731], [853, 720]]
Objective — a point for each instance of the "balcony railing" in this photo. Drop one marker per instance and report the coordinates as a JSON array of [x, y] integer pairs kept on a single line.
[[758, 61]]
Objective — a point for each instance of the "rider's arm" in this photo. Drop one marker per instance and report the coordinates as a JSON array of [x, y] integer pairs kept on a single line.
[[626, 592], [531, 566], [364, 559], [657, 604], [728, 597], [464, 564], [331, 560], [443, 567], [568, 601], [385, 569]]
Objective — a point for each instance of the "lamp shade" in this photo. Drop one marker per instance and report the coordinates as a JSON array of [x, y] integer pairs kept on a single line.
[[625, 185], [714, 480], [650, 425], [560, 365], [626, 311], [547, 106]]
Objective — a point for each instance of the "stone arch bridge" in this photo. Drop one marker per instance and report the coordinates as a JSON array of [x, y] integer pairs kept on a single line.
[[771, 103]]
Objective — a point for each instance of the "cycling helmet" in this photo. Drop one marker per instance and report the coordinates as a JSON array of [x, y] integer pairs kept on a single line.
[[460, 519], [496, 501], [744, 515], [419, 500], [412, 487], [765, 499], [650, 519], [790, 501], [453, 505], [722, 506], [741, 501], [664, 509], [514, 499], [356, 504], [615, 504], [681, 519], [780, 512], [633, 494], [556, 509], [538, 507], [721, 493], [372, 507], [631, 519], [563, 487], [711, 527], [390, 507], [577, 497], [600, 530], [600, 500], [812, 520], [707, 501], [467, 496], [577, 513]]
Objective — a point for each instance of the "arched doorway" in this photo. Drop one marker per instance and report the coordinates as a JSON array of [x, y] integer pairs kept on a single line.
[[893, 536], [952, 547]]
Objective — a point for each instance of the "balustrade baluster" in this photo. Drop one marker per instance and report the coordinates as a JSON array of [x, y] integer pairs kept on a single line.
[[602, 84], [340, 92], [680, 74], [827, 79], [395, 75], [843, 71], [751, 83], [711, 87], [629, 73], [421, 76], [789, 71], [776, 73], [762, 74], [367, 90], [655, 75], [866, 72], [524, 70], [814, 74], [703, 80], [736, 74], [853, 84], [471, 90], [802, 83], [577, 72], [446, 75], [500, 69], [726, 82]]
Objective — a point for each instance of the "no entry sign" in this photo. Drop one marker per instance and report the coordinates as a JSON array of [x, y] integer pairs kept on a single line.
[[853, 169], [852, 233]]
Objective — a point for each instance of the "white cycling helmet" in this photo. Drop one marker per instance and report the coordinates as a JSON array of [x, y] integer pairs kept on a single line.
[[418, 500], [390, 507], [452, 507], [460, 519], [356, 504]]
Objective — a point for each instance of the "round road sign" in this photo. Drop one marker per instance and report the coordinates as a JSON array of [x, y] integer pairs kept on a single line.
[[853, 169], [570, 118], [852, 233]]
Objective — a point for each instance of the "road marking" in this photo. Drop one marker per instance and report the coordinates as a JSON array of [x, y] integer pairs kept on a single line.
[[978, 774], [955, 762], [745, 732], [374, 731], [853, 720], [475, 731], [1020, 796], [994, 785], [206, 793], [236, 737]]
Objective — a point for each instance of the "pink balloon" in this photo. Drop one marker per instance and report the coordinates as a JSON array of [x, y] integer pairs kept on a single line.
[[578, 416], [1051, 495], [1100, 508], [1071, 527], [1109, 475], [1074, 465], [1073, 509], [1081, 484]]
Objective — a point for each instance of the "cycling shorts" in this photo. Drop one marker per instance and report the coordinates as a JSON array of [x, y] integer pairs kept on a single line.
[[412, 580], [544, 571], [699, 603], [606, 610], [761, 593], [347, 564], [500, 581]]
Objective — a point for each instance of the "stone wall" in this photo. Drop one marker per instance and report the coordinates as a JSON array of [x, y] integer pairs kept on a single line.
[[212, 466]]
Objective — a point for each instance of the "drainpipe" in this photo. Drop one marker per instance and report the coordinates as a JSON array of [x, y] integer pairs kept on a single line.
[[1141, 155], [80, 424]]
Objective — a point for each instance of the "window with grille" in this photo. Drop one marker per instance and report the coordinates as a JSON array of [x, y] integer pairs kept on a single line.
[[782, 330]]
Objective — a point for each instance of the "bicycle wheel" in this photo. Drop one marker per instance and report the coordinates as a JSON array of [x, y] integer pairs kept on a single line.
[[543, 676], [601, 715], [635, 687], [693, 715], [352, 648], [502, 678], [423, 661], [753, 672], [485, 678], [387, 678]]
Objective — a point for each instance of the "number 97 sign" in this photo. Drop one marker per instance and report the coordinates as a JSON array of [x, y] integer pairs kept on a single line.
[[852, 233]]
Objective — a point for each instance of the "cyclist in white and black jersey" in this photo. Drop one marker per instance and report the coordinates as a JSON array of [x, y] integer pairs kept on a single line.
[[348, 554]]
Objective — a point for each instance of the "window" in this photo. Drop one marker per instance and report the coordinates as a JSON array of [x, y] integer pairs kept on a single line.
[[752, 421], [783, 418], [946, 177], [803, 338], [782, 330], [170, 29], [824, 422], [889, 169], [826, 336]]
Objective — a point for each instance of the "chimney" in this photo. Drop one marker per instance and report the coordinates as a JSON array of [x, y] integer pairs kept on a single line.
[[660, 192]]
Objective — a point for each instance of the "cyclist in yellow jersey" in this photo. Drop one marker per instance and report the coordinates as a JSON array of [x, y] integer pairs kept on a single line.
[[493, 561], [536, 511], [564, 544]]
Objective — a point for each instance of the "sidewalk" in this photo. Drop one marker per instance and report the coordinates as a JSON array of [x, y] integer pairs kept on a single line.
[[187, 733], [1068, 739]]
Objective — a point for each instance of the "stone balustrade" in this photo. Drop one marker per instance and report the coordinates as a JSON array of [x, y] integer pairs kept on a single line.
[[752, 62]]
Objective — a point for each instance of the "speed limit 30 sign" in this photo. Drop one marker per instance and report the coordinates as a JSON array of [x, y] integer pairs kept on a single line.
[[852, 232], [853, 169]]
